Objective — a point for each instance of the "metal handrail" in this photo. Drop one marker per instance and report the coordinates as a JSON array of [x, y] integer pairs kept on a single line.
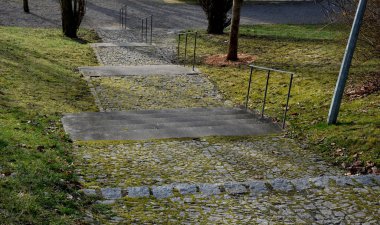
[[144, 28], [123, 13], [269, 70], [186, 34]]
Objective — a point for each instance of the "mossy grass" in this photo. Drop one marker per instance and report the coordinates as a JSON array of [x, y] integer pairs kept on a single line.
[[38, 83], [314, 53]]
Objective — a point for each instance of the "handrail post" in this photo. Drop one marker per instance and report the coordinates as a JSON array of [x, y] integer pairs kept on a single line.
[[265, 95], [178, 50], [186, 37], [195, 48], [249, 89], [142, 29], [151, 29], [146, 30], [287, 101]]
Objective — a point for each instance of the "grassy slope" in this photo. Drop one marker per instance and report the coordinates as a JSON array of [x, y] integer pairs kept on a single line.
[[314, 53], [37, 84]]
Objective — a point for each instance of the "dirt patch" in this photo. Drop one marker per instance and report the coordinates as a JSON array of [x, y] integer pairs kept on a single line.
[[367, 84], [220, 60]]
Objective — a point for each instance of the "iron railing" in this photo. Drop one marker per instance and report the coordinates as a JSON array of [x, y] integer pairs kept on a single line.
[[147, 28], [269, 70], [146, 24], [186, 34], [123, 16]]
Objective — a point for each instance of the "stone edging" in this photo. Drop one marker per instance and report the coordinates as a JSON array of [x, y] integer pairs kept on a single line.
[[233, 188]]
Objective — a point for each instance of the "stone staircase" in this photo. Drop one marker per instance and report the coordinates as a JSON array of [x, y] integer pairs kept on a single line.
[[159, 124]]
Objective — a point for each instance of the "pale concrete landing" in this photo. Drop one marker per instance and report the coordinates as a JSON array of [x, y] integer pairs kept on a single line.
[[144, 70], [125, 44], [159, 124]]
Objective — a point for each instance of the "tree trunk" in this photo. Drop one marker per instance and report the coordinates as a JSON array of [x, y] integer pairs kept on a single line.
[[69, 26], [216, 22], [216, 11], [234, 34], [72, 14], [26, 6]]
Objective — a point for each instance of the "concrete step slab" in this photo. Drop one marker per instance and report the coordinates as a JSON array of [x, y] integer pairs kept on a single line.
[[181, 132], [157, 113], [144, 120], [126, 126], [145, 70], [125, 44]]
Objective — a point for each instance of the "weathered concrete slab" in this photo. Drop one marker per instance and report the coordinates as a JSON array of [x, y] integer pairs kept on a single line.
[[155, 124], [144, 70], [126, 44]]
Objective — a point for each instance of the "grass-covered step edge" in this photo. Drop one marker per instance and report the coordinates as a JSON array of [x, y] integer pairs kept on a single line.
[[255, 187]]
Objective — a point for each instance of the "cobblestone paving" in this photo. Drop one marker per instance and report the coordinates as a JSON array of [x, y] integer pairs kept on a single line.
[[332, 205], [155, 92], [213, 160], [179, 181]]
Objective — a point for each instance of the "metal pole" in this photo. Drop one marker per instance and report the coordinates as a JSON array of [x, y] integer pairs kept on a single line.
[[184, 62], [151, 29], [287, 101], [125, 17], [120, 17], [146, 29], [345, 68], [249, 89], [265, 95], [142, 29], [179, 42], [195, 49]]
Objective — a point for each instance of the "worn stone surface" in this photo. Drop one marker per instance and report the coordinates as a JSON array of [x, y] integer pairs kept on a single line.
[[111, 193], [134, 192], [162, 191], [209, 189], [281, 185], [235, 188], [185, 189]]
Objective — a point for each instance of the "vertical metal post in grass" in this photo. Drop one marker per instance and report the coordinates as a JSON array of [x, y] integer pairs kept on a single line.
[[287, 101], [345, 68], [249, 89], [265, 95], [151, 29], [186, 37], [179, 44], [195, 49]]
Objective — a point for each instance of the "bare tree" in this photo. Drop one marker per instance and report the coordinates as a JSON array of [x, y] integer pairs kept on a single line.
[[370, 30], [26, 6], [216, 12], [234, 34], [72, 14]]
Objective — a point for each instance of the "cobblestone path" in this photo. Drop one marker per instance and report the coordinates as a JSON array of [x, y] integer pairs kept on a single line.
[[209, 180]]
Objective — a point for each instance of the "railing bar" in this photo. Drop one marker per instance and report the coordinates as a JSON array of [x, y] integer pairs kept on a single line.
[[178, 50], [274, 70], [287, 100], [195, 47], [249, 89], [186, 37], [265, 95], [146, 30], [151, 29]]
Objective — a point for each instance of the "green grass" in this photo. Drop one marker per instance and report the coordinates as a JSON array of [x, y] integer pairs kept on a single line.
[[314, 53], [38, 83]]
